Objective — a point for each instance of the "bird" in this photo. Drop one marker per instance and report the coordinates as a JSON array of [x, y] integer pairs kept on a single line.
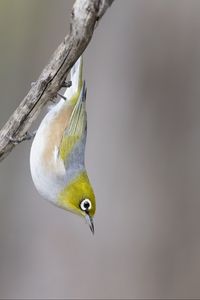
[[57, 156]]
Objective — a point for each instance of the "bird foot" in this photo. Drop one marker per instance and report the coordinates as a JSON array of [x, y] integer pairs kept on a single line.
[[26, 137], [67, 84]]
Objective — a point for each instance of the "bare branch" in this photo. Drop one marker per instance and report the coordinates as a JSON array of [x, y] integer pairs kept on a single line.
[[84, 15]]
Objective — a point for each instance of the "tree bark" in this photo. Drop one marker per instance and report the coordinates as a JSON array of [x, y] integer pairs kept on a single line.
[[84, 16]]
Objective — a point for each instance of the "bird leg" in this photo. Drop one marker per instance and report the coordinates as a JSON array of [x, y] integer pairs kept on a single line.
[[67, 84], [61, 96]]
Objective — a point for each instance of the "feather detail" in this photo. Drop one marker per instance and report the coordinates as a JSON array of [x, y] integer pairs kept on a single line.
[[77, 120], [76, 127]]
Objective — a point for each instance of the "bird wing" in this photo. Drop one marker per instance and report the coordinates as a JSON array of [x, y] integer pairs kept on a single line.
[[76, 128]]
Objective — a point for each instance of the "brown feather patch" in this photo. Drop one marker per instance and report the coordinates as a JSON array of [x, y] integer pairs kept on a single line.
[[54, 133]]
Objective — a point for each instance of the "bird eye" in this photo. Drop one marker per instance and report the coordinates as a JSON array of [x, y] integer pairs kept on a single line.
[[85, 205]]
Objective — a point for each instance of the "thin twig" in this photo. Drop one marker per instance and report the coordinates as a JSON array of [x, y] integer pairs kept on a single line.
[[84, 15]]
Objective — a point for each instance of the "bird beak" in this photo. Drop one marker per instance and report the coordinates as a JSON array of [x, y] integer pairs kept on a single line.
[[90, 222]]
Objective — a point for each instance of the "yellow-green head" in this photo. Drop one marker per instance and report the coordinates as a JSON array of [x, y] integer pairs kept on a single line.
[[78, 197]]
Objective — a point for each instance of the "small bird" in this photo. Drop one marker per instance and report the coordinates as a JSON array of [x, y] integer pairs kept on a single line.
[[57, 154]]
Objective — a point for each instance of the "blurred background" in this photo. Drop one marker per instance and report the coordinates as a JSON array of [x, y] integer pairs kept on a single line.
[[143, 156]]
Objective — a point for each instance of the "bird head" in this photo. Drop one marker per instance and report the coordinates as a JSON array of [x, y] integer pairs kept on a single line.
[[78, 197]]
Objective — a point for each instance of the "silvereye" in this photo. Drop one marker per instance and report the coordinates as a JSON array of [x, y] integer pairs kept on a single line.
[[58, 149]]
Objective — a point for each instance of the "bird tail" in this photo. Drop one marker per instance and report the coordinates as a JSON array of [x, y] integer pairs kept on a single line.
[[76, 79]]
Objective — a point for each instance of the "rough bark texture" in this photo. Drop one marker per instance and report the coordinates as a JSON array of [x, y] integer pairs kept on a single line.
[[84, 15]]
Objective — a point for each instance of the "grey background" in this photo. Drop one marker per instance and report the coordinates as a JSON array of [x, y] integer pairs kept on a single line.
[[143, 72]]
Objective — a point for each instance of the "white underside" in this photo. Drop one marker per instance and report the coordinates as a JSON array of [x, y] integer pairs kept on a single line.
[[48, 182]]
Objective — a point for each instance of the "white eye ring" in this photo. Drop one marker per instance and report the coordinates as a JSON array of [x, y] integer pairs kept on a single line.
[[85, 205]]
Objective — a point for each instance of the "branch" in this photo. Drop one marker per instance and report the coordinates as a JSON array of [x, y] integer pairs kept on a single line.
[[84, 15]]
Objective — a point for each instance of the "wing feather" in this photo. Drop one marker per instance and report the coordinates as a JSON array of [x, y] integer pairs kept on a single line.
[[76, 127]]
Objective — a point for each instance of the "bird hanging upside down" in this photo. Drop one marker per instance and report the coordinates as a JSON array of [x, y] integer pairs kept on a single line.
[[58, 150]]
